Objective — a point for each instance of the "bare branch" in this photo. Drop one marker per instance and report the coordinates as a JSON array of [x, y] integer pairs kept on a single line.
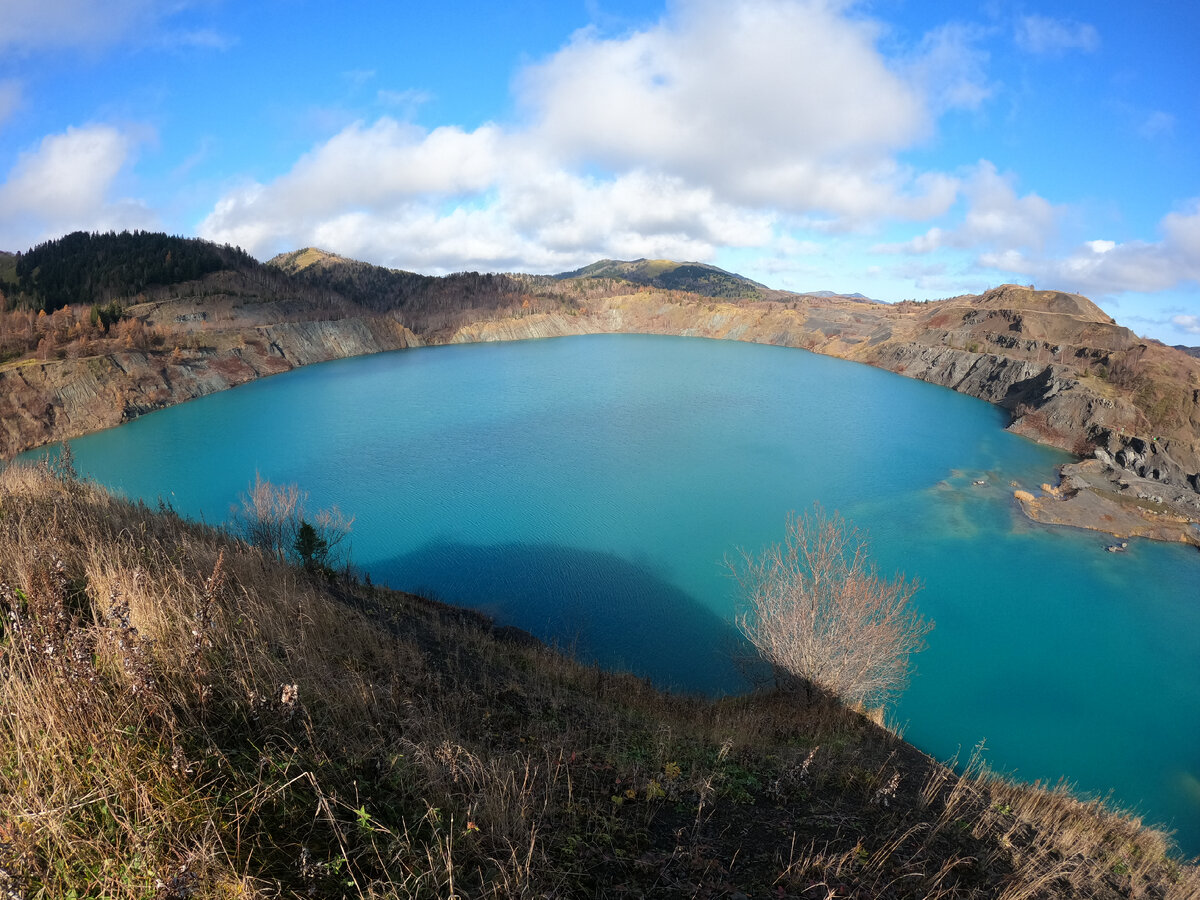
[[819, 612], [271, 517]]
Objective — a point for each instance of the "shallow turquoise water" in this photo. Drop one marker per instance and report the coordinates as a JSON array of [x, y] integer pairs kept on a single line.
[[588, 489]]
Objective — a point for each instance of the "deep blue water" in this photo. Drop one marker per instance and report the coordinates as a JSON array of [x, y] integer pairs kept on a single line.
[[588, 489]]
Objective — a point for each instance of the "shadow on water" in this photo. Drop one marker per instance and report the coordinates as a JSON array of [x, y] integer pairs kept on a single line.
[[597, 606]]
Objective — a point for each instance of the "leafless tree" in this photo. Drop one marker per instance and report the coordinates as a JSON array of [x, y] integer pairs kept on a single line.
[[270, 517], [818, 611]]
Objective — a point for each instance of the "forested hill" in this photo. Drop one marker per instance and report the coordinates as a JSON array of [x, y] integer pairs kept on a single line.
[[87, 269], [694, 277]]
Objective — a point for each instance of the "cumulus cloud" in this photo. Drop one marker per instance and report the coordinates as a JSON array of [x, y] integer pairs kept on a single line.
[[785, 102], [366, 165], [996, 218], [66, 183], [449, 199], [1047, 36], [696, 132], [1106, 267], [365, 178], [1190, 324], [934, 239]]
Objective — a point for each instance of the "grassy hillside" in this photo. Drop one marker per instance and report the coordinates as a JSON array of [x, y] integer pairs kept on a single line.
[[186, 717], [697, 278]]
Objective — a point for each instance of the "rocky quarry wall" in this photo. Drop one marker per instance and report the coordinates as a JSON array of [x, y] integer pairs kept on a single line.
[[44, 401]]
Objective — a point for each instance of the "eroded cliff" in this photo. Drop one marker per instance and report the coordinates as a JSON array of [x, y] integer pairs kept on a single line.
[[1047, 357], [1069, 375], [45, 401]]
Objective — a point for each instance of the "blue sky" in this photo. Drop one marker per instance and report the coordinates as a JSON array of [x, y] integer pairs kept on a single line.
[[894, 147]]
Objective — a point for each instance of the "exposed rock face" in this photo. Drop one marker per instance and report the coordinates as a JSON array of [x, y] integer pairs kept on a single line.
[[48, 401], [1095, 495], [997, 379], [1070, 376], [1050, 401]]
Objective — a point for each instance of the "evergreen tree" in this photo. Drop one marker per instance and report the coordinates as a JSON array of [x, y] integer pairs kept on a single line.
[[312, 549], [82, 268]]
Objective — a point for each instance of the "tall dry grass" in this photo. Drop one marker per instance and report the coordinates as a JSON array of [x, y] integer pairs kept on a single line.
[[182, 715]]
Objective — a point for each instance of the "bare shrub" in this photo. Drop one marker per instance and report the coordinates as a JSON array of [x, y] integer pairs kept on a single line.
[[267, 515], [275, 517], [819, 612]]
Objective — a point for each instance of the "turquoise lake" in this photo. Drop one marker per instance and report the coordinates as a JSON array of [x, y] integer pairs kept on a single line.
[[588, 489]]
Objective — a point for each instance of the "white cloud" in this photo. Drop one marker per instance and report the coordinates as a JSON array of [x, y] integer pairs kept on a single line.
[[40, 23], [752, 75], [66, 184], [364, 165], [448, 200], [787, 103], [951, 69], [697, 132], [1046, 36], [1190, 324], [932, 240], [1182, 237], [1108, 267], [377, 173], [996, 218]]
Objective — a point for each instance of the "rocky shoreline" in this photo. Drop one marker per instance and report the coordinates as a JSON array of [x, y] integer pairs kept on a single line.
[[1130, 485], [1095, 495]]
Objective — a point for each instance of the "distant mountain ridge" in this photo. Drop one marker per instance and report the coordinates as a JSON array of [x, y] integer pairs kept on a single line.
[[695, 277]]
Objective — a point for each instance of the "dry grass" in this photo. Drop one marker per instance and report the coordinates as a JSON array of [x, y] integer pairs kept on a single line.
[[183, 716]]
